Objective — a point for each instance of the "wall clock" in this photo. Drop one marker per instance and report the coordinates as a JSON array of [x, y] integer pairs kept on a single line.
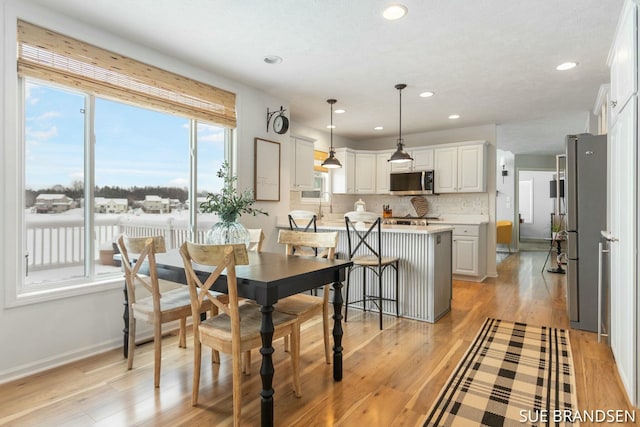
[[280, 124]]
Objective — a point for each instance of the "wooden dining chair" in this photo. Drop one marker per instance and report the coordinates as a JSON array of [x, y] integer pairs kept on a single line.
[[169, 301], [256, 238], [304, 306], [237, 328], [301, 220]]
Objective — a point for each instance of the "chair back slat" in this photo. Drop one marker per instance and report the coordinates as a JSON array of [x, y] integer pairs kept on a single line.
[[256, 238], [214, 254], [328, 241]]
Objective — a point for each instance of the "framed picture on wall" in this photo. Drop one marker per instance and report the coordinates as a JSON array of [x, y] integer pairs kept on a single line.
[[266, 170]]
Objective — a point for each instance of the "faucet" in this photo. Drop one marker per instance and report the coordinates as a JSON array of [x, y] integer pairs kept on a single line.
[[320, 204]]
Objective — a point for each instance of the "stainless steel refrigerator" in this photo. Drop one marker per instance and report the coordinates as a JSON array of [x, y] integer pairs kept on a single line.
[[586, 181]]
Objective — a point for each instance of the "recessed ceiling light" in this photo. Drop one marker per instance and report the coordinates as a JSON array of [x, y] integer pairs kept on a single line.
[[395, 11], [331, 126], [566, 66], [378, 128], [426, 94], [272, 59], [454, 116], [339, 111]]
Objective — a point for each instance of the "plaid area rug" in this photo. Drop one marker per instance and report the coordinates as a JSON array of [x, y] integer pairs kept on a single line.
[[512, 375]]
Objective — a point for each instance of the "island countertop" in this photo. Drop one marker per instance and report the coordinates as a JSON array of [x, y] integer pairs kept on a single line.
[[334, 225]]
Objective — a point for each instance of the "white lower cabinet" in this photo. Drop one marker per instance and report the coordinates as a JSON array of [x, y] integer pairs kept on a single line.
[[468, 254], [465, 255]]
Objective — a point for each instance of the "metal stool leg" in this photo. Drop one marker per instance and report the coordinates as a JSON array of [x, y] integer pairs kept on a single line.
[[380, 295]]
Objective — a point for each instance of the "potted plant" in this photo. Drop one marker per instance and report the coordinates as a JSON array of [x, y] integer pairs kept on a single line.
[[229, 204]]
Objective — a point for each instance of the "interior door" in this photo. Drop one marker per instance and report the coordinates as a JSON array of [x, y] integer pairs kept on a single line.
[[621, 223]]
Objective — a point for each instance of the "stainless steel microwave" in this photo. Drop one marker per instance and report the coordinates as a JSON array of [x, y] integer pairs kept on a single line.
[[411, 183]]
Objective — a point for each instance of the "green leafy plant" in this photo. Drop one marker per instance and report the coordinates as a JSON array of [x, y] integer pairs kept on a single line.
[[230, 203]]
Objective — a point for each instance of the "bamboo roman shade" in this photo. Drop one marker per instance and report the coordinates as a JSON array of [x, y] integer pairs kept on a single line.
[[54, 57]]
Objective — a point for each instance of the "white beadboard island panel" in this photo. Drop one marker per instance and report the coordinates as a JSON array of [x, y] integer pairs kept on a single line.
[[425, 277]]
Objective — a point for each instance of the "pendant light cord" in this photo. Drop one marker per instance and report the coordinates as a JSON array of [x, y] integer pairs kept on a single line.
[[400, 122], [331, 102]]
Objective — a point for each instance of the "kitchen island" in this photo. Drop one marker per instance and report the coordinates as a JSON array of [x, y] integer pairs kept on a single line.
[[424, 272]]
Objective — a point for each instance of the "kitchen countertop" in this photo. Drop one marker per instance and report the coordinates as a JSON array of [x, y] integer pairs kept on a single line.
[[452, 219]]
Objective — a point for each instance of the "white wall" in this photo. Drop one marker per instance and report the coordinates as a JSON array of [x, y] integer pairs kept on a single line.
[[52, 332]]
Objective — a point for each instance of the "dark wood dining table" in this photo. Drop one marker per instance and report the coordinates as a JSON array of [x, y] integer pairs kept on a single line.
[[268, 278]]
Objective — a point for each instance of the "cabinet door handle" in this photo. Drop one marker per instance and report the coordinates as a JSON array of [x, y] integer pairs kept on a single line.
[[601, 254], [613, 104]]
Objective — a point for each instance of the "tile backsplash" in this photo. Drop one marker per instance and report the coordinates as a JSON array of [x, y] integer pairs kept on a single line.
[[458, 204]]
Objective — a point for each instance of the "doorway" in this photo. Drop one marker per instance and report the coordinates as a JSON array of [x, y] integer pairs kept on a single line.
[[535, 207]]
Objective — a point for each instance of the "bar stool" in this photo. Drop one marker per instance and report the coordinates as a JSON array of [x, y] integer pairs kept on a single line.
[[365, 250]]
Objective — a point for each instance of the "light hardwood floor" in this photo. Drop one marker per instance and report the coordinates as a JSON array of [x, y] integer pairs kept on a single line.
[[391, 377]]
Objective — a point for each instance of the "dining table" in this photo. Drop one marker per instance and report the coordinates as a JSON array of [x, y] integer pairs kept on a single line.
[[268, 278]]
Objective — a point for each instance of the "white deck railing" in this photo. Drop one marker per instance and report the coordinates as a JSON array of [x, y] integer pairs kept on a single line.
[[56, 241]]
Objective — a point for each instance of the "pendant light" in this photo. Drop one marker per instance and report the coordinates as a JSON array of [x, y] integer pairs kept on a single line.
[[400, 156], [331, 162]]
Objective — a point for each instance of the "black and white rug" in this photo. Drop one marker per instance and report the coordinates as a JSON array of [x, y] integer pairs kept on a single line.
[[513, 374]]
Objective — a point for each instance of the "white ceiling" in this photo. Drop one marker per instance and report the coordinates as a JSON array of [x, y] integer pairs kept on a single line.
[[491, 61]]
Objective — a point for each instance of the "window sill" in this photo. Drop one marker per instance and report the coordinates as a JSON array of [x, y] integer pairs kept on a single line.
[[37, 297]]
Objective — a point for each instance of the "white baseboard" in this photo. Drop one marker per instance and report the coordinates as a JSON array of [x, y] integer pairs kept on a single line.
[[57, 360], [75, 355]]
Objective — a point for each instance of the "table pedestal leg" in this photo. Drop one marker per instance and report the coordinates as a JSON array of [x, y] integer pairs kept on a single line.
[[337, 330], [266, 369]]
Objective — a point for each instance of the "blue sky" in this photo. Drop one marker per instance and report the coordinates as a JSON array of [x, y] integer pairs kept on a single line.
[[134, 147]]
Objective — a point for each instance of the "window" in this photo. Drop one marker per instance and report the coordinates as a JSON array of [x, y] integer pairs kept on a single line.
[[321, 183], [525, 200], [109, 145], [133, 177], [320, 186]]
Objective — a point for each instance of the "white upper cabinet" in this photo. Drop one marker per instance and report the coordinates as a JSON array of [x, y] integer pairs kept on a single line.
[[343, 180], [622, 61], [445, 178], [400, 167], [383, 169], [471, 170], [422, 158], [301, 167], [365, 172], [460, 169]]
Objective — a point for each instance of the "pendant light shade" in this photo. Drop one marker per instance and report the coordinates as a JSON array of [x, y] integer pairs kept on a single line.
[[331, 162], [400, 156]]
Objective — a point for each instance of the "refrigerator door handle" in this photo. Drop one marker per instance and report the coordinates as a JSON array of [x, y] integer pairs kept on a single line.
[[572, 244]]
